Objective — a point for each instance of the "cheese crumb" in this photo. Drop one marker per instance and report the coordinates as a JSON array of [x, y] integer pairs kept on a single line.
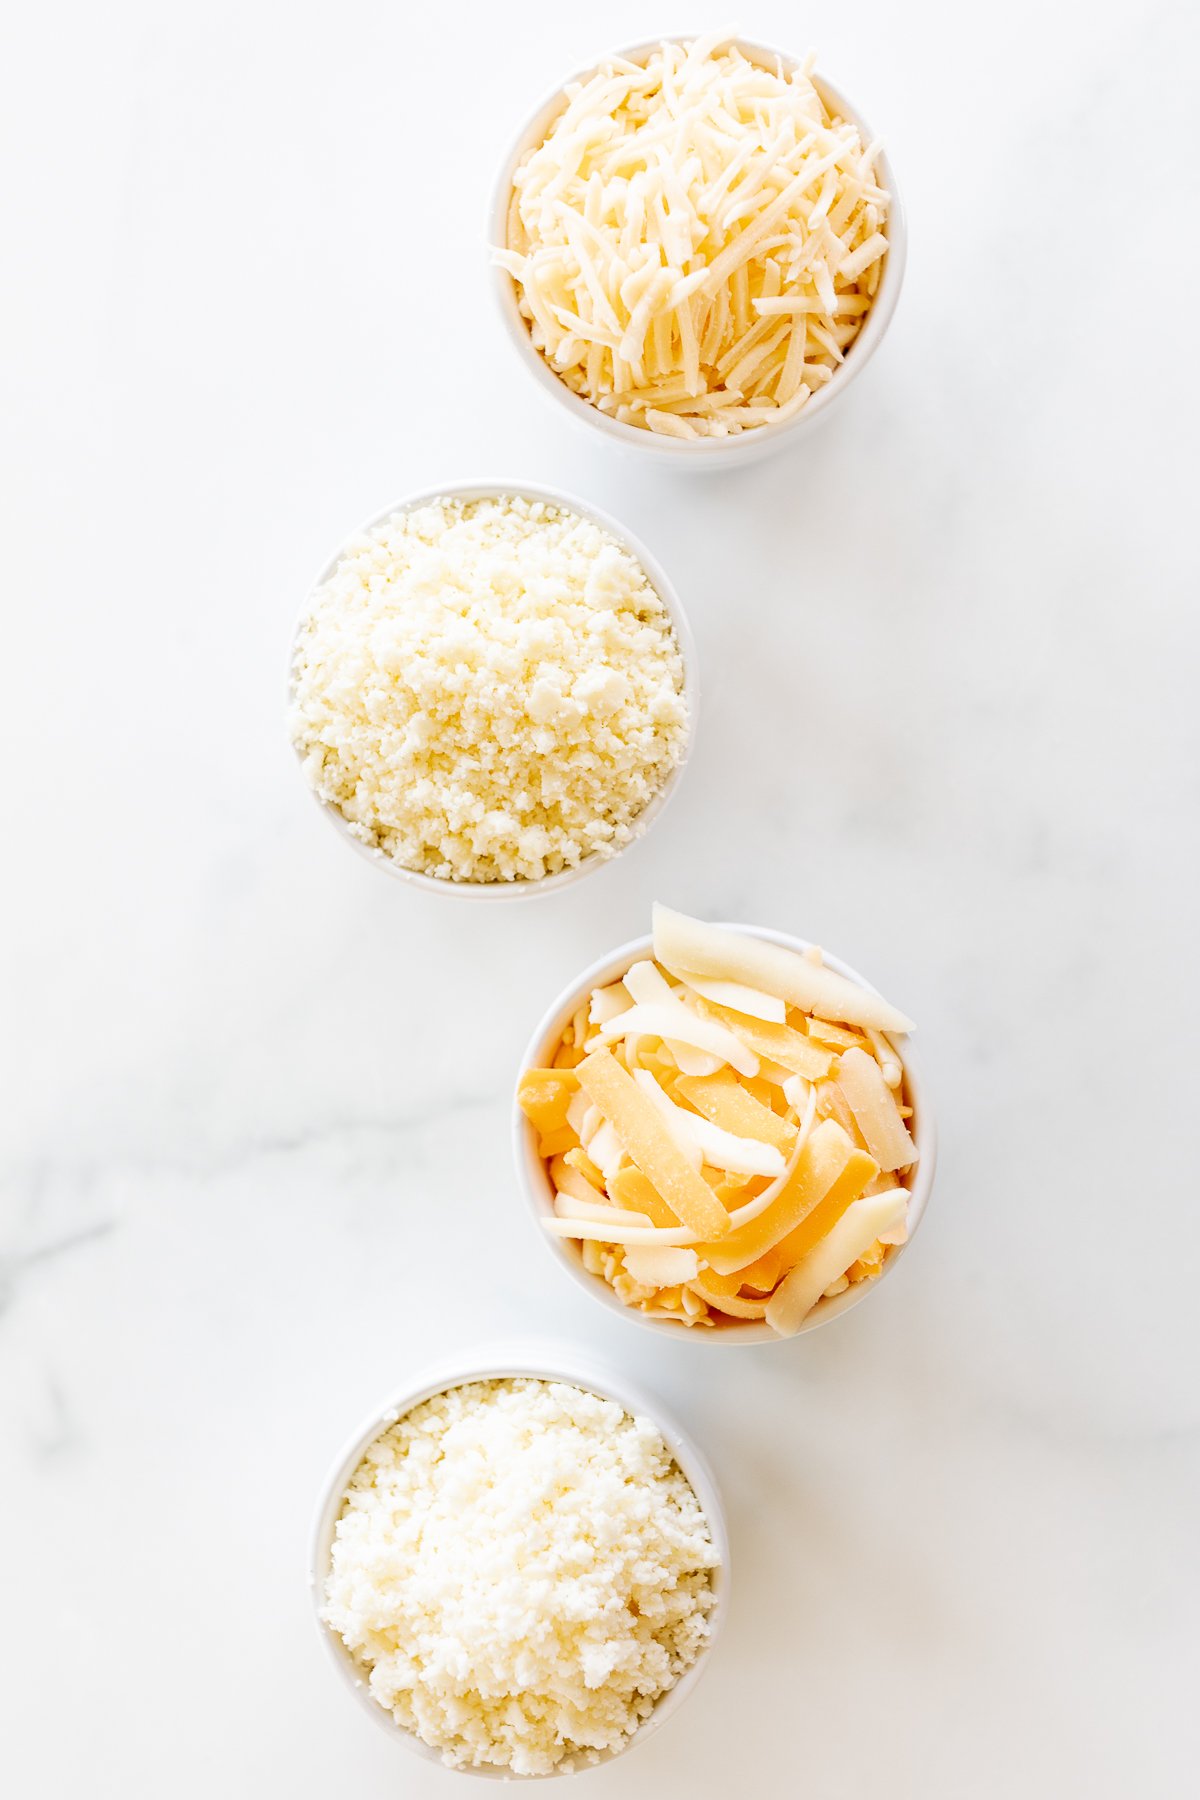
[[488, 690], [522, 1570]]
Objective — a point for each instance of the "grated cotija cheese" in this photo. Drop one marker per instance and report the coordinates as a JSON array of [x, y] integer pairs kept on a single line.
[[488, 690], [522, 1570]]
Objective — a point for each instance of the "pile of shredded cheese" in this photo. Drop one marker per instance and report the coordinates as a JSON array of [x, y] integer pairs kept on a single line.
[[697, 241], [726, 1130], [523, 1570], [488, 690]]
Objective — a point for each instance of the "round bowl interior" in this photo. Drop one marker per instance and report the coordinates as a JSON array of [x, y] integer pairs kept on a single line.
[[536, 1184], [763, 440], [493, 1362], [485, 490]]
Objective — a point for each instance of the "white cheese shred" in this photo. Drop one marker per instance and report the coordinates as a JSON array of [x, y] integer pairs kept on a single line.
[[696, 242]]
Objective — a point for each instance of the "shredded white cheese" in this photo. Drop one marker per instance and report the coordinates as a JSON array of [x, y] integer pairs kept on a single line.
[[488, 690], [522, 1570], [697, 240]]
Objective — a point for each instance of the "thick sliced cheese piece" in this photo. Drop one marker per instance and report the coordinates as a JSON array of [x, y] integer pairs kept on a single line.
[[887, 1059], [834, 1037], [544, 1096], [672, 1020], [646, 1140], [724, 1100], [736, 1305], [857, 1175], [827, 1155], [860, 1225], [738, 998], [774, 1044], [692, 1062], [578, 1158], [629, 1188], [684, 943], [669, 1112], [604, 1149], [660, 1267], [646, 984], [873, 1104], [607, 1002], [833, 1104], [760, 1275], [649, 988], [710, 1144], [568, 1180]]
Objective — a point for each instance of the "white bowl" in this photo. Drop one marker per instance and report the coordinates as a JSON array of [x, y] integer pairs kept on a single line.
[[763, 440], [539, 1193], [492, 1362], [663, 587]]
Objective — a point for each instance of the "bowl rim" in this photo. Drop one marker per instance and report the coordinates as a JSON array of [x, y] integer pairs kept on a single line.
[[664, 587], [544, 1360], [535, 1185], [698, 452]]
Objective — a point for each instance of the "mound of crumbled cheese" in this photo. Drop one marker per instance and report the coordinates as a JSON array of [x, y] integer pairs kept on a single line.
[[523, 1570], [488, 690]]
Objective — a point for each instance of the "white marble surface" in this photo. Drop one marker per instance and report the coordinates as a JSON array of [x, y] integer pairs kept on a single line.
[[255, 1115]]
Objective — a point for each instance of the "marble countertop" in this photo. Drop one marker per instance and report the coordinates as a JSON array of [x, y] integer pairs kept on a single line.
[[252, 1091]]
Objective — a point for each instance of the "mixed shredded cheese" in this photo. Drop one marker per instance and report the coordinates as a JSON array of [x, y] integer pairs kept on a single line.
[[488, 690], [726, 1130], [696, 242], [522, 1571]]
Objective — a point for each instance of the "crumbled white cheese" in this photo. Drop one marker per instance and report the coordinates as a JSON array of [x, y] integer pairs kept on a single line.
[[488, 690], [522, 1570]]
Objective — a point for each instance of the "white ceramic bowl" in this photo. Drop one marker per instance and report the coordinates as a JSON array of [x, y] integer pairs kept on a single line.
[[763, 440], [549, 884], [535, 1180], [491, 1362]]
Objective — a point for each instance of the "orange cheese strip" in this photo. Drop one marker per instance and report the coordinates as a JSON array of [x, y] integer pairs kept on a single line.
[[869, 1263], [823, 1159], [859, 1170], [733, 1304], [554, 1143], [835, 1037], [578, 1158], [722, 1099], [733, 1192], [544, 1095], [777, 1043], [645, 1138], [858, 1228], [767, 1093], [630, 1189], [759, 1275], [873, 1104], [832, 1104], [567, 1180]]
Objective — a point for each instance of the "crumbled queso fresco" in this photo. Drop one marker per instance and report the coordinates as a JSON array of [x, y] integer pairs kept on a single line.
[[488, 690], [522, 1570]]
